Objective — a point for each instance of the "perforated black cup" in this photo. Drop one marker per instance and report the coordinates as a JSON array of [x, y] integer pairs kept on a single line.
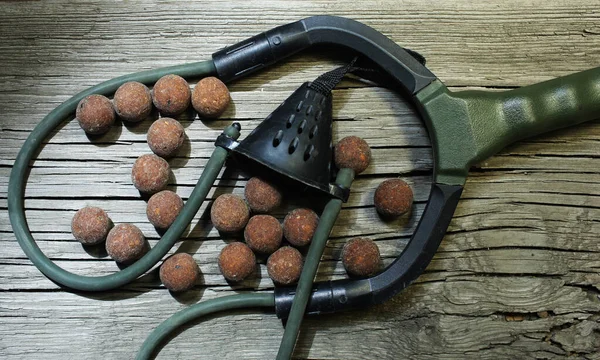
[[295, 140]]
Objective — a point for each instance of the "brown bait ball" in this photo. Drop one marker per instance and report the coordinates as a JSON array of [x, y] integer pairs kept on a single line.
[[229, 213], [125, 243], [236, 261], [352, 152], [95, 114], [210, 97], [393, 198], [150, 173], [261, 196], [163, 207], [361, 257], [263, 234], [165, 137], [133, 101], [299, 226], [90, 225], [179, 272], [171, 95], [285, 265]]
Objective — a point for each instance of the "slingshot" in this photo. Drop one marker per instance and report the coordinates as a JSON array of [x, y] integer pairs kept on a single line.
[[464, 128]]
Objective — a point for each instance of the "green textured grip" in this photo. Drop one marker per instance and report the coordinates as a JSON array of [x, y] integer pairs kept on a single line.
[[469, 126]]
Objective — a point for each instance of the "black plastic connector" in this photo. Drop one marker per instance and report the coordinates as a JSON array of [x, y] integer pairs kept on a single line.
[[260, 51], [339, 191], [226, 142], [327, 297]]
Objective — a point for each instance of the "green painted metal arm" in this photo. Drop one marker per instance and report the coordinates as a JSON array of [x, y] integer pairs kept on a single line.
[[469, 126]]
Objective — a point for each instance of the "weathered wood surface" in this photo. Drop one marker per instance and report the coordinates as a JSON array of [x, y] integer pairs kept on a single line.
[[517, 276]]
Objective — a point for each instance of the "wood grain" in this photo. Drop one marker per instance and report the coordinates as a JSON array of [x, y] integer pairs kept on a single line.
[[517, 276]]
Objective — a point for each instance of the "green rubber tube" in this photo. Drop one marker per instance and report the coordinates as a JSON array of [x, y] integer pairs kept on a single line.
[[309, 270], [18, 179], [158, 336]]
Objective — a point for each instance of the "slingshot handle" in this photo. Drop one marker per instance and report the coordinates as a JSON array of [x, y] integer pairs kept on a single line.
[[506, 117], [467, 127]]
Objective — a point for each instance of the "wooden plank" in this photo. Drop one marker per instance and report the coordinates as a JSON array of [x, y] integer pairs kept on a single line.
[[525, 39], [419, 315]]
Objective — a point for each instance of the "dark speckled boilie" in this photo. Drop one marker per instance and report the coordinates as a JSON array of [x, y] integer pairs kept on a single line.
[[262, 197], [393, 198], [179, 272], [284, 266], [210, 97], [133, 101], [299, 226], [171, 95], [236, 261], [150, 173], [361, 257], [263, 234], [352, 152], [229, 213], [165, 137], [90, 225], [163, 208], [95, 114], [125, 243]]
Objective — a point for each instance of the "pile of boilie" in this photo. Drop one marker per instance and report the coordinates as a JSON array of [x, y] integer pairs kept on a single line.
[[231, 215]]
